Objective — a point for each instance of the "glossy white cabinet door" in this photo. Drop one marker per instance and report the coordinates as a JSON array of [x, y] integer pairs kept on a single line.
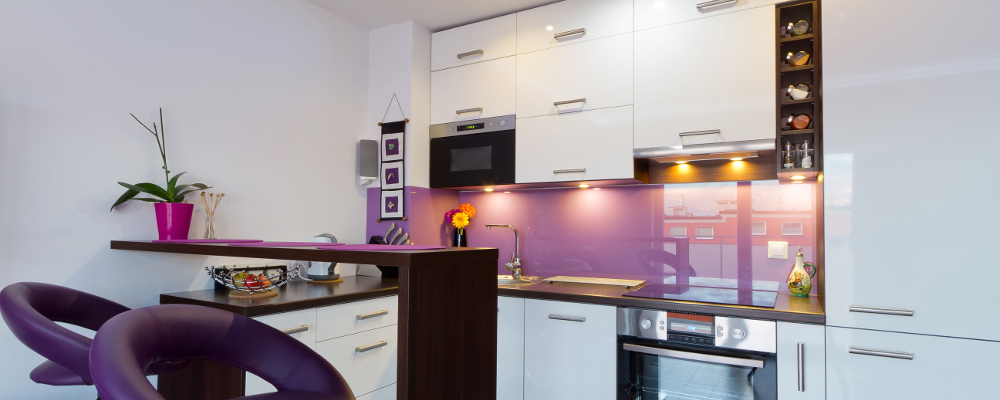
[[350, 318], [594, 145], [386, 393], [707, 74], [496, 38], [599, 71], [365, 364], [510, 348], [941, 368], [537, 27], [808, 342], [488, 85], [301, 324], [910, 190], [569, 358], [654, 13]]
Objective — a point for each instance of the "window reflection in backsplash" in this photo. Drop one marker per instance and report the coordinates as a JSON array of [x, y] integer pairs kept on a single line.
[[705, 234]]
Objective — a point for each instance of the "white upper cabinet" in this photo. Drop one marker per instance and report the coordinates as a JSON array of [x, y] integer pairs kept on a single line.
[[481, 41], [653, 13], [910, 229], [571, 21], [801, 361], [584, 76], [711, 74], [575, 146], [481, 90]]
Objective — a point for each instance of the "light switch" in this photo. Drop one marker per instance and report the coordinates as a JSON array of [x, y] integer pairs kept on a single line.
[[777, 250]]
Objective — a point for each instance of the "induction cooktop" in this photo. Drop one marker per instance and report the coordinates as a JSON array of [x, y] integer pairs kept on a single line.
[[738, 297]]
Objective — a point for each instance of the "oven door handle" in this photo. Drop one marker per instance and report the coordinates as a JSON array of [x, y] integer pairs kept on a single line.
[[686, 355]]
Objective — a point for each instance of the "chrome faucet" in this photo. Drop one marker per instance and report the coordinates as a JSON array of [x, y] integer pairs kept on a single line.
[[514, 266]]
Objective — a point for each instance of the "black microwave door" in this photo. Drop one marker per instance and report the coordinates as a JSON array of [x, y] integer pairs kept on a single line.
[[483, 159]]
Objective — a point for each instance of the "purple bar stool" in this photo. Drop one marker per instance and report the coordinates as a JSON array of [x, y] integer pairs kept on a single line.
[[32, 309], [129, 343]]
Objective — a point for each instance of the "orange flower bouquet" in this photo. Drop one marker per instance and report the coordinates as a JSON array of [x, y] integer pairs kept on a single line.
[[459, 218]]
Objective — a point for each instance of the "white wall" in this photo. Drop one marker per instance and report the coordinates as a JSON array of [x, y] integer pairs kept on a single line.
[[265, 100]]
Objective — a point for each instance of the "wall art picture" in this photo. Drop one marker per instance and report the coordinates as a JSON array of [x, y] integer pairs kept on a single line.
[[392, 204], [392, 147], [392, 175]]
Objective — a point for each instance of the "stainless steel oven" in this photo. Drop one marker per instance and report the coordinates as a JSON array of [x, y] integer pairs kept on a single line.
[[474, 153], [670, 355]]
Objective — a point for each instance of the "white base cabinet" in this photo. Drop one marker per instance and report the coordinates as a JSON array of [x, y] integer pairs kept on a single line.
[[578, 146], [805, 342], [367, 360], [510, 348], [302, 326], [569, 351]]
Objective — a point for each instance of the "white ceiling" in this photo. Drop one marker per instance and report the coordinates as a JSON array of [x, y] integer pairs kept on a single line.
[[436, 15]]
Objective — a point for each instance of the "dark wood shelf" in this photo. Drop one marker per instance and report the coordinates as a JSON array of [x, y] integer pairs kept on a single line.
[[799, 68], [797, 132], [803, 101], [796, 38]]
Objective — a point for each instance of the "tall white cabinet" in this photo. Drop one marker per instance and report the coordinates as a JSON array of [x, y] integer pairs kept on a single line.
[[510, 348]]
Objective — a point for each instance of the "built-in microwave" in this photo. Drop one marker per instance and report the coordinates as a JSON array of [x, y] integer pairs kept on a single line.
[[475, 153]]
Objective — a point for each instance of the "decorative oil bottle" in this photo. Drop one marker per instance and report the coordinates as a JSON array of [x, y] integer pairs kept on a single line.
[[800, 281]]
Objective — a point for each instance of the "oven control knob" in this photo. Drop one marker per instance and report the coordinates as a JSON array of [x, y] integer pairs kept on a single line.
[[719, 332], [739, 334], [645, 324], [502, 122]]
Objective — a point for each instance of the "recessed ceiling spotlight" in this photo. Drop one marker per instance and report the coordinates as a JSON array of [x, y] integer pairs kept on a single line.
[[549, 28], [488, 189], [659, 5]]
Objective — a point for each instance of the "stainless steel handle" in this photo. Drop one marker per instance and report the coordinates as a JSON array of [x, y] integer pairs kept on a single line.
[[885, 311], [685, 355], [565, 102], [302, 328], [581, 31], [373, 315], [880, 353], [801, 348], [471, 53], [569, 171], [363, 349], [713, 3], [567, 318], [468, 110], [696, 133]]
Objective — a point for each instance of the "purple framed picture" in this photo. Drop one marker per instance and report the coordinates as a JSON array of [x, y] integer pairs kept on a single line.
[[392, 147], [392, 175], [392, 204]]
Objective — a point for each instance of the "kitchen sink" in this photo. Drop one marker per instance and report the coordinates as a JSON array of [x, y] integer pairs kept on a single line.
[[508, 280]]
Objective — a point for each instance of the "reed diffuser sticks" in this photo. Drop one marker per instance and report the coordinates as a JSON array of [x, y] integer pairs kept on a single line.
[[211, 204]]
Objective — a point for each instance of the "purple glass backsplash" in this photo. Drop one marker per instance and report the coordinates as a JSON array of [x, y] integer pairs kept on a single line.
[[424, 209], [679, 233]]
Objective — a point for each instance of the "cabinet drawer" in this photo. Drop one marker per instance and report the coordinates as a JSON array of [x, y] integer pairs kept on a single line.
[[367, 360], [386, 393], [653, 13], [495, 38], [682, 85], [941, 368], [570, 22], [345, 319], [487, 86], [807, 343], [599, 73], [579, 146], [300, 324]]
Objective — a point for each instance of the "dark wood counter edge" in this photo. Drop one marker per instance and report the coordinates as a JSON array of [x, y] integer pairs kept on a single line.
[[267, 309], [407, 258], [746, 312]]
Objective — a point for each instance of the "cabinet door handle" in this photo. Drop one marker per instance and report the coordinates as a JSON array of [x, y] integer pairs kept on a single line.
[[880, 353], [567, 318], [373, 315], [569, 171], [581, 31], [697, 133], [801, 358], [363, 349], [713, 3], [302, 328], [471, 53], [468, 110], [571, 101], [884, 311]]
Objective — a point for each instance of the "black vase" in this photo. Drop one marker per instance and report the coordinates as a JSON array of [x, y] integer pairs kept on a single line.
[[460, 238]]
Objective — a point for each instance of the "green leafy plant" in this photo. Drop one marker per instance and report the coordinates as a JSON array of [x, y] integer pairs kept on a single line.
[[173, 193]]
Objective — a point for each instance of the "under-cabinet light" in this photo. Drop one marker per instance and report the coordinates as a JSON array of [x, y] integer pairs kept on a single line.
[[736, 159], [798, 177], [488, 189], [584, 186]]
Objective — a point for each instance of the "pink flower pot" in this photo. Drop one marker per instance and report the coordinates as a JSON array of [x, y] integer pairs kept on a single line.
[[173, 220]]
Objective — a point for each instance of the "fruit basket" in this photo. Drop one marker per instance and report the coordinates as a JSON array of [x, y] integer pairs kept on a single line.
[[248, 284]]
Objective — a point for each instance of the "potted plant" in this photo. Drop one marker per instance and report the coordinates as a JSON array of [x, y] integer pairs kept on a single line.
[[173, 214]]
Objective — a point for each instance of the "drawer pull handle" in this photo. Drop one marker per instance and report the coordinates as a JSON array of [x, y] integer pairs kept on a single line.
[[713, 3], [471, 53], [468, 110], [581, 31], [567, 318], [373, 315], [880, 353], [884, 311], [801, 356], [565, 102], [697, 133], [569, 171], [363, 349], [302, 328]]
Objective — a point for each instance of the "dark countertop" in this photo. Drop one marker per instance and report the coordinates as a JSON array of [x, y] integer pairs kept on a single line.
[[296, 295]]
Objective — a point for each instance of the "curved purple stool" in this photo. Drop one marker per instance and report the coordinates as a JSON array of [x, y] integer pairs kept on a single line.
[[32, 309], [129, 343]]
